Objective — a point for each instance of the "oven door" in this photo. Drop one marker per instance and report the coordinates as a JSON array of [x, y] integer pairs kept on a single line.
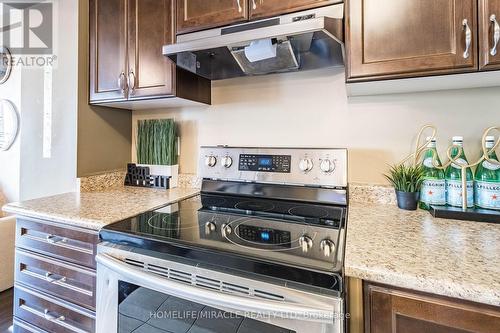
[[142, 294]]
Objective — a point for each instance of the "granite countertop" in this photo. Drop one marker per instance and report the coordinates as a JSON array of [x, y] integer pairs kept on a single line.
[[414, 250], [411, 250], [93, 210]]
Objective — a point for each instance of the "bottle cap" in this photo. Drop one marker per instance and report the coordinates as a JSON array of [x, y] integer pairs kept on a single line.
[[458, 138], [490, 138], [430, 139]]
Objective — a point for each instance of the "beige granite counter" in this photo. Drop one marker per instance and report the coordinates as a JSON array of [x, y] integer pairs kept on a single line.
[[93, 210], [413, 250]]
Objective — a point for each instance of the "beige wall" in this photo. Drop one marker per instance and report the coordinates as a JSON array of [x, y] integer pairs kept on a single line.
[[311, 109], [104, 134]]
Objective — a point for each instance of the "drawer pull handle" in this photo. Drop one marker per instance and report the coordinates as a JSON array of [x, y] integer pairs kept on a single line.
[[240, 9], [51, 317], [50, 278], [496, 34], [55, 239], [254, 5], [468, 38]]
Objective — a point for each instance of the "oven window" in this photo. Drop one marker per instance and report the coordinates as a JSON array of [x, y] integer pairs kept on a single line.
[[143, 310]]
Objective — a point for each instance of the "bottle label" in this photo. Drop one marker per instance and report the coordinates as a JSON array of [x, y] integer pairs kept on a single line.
[[490, 166], [488, 195], [454, 193], [459, 163], [428, 162], [433, 192]]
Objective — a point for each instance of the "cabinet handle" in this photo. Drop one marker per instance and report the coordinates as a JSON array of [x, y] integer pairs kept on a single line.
[[468, 38], [254, 5], [51, 239], [131, 80], [49, 277], [121, 82], [240, 9], [50, 317], [496, 34]]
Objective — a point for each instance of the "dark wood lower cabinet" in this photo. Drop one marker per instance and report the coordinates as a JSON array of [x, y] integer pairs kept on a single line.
[[51, 314], [389, 309], [55, 277]]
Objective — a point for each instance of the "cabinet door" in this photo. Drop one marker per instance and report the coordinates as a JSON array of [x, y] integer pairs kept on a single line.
[[195, 15], [266, 8], [108, 50], [151, 25], [399, 311], [398, 39], [489, 34]]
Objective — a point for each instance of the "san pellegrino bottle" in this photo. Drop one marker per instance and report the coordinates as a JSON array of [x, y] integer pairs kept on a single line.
[[433, 190], [453, 176], [487, 184]]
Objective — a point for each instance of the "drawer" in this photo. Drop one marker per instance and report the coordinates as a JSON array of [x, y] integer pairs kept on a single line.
[[51, 314], [75, 284], [71, 244], [23, 327]]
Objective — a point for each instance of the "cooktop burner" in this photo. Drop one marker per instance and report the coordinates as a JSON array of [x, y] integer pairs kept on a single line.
[[272, 230]]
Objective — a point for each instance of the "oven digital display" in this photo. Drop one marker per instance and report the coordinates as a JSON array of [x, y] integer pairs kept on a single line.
[[264, 235], [265, 163]]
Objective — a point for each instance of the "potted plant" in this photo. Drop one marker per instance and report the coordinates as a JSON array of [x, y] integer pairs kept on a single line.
[[407, 181], [157, 144]]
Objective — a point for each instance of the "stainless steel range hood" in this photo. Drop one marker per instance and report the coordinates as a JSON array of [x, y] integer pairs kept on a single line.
[[301, 41]]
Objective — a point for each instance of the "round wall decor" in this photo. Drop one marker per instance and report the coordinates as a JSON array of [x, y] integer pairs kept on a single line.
[[5, 64], [9, 124]]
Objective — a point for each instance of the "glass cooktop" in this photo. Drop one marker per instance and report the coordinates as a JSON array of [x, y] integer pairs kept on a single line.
[[270, 230]]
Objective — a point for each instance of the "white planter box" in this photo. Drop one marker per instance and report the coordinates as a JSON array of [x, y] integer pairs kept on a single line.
[[164, 170]]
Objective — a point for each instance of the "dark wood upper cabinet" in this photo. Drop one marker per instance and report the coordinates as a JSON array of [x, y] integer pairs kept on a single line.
[[108, 49], [267, 8], [193, 15], [127, 66], [398, 39], [151, 25], [489, 34], [400, 311]]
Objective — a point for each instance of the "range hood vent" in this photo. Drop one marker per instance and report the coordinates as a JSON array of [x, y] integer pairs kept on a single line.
[[301, 41]]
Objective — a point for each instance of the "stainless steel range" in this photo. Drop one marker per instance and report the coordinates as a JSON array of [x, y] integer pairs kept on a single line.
[[259, 250]]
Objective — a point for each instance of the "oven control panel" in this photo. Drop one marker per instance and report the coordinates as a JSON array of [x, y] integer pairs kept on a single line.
[[265, 163], [264, 235], [293, 166]]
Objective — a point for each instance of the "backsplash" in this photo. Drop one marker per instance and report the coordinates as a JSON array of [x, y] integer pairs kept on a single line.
[[114, 179], [358, 192]]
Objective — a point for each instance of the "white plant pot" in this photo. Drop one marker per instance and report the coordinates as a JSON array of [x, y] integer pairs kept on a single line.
[[164, 170]]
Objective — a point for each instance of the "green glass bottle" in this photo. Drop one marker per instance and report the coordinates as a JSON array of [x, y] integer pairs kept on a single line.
[[433, 190], [453, 176], [487, 184]]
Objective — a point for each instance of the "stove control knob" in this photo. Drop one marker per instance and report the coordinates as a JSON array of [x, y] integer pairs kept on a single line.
[[327, 166], [226, 230], [305, 243], [227, 161], [305, 165], [327, 246], [209, 228], [210, 161]]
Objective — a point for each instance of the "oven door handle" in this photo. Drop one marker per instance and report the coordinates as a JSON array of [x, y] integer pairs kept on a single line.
[[231, 303]]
